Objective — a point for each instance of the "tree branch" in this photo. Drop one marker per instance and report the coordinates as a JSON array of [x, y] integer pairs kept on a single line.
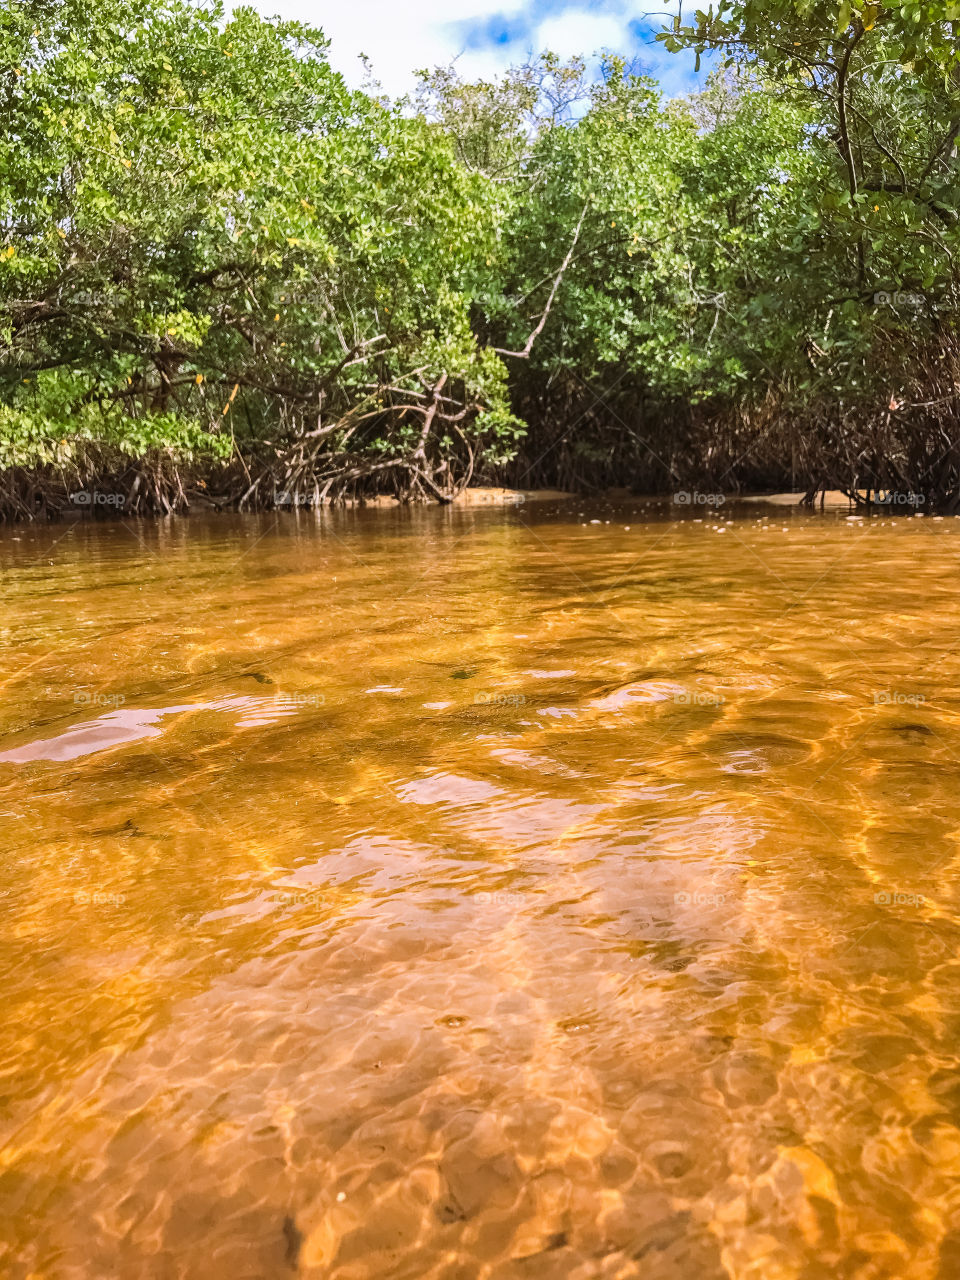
[[525, 353]]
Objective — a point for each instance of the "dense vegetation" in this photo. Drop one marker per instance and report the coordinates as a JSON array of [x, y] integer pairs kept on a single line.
[[226, 278]]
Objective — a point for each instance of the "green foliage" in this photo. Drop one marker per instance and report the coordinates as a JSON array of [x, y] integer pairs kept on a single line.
[[213, 254], [787, 33], [198, 221], [878, 181]]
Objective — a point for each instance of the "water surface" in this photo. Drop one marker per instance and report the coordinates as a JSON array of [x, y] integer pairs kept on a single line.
[[481, 894]]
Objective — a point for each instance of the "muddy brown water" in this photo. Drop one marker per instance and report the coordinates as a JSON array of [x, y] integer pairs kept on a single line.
[[481, 894]]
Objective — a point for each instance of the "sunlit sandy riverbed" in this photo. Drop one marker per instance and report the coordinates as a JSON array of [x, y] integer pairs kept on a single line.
[[481, 894]]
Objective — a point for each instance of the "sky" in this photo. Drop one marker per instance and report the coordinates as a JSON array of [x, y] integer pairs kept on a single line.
[[485, 36]]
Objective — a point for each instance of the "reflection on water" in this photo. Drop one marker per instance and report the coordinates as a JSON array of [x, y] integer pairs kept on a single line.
[[118, 727], [481, 894]]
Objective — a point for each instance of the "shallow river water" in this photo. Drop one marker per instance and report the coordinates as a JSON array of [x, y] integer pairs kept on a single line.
[[481, 894]]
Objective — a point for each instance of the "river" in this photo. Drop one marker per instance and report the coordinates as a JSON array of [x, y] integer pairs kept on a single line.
[[539, 892]]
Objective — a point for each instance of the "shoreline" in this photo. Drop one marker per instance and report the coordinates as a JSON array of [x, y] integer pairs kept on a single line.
[[479, 496], [833, 499]]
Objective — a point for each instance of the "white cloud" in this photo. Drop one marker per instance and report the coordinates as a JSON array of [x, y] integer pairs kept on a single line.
[[579, 32], [398, 36]]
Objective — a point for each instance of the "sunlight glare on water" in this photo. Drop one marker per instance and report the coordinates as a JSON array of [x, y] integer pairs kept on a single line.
[[452, 893]]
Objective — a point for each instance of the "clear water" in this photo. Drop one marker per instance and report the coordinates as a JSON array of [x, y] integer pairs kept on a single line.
[[481, 894]]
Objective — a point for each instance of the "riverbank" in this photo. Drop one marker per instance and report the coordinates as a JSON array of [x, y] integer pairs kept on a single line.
[[112, 503], [832, 500]]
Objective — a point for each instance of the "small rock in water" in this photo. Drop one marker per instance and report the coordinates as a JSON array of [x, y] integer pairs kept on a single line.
[[294, 1240]]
